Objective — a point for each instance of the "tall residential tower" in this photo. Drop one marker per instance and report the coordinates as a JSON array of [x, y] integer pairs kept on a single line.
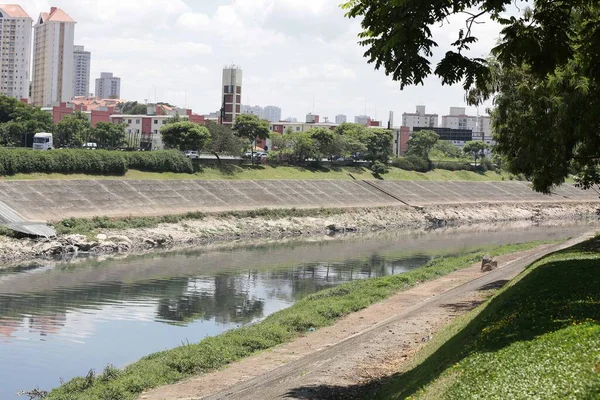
[[81, 71], [54, 37], [231, 99], [108, 86], [15, 51]]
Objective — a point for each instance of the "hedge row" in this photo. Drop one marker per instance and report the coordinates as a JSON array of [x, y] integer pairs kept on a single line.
[[93, 162], [415, 163]]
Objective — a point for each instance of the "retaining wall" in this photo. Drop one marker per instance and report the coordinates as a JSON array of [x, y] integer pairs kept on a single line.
[[56, 200]]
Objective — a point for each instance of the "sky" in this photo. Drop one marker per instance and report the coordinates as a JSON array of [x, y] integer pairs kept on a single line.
[[300, 55]]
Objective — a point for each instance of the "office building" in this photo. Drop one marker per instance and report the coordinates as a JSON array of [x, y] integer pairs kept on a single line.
[[81, 71], [15, 51], [231, 98], [54, 37], [108, 86]]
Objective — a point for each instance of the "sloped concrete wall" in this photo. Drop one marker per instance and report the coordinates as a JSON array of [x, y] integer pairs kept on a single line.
[[56, 200]]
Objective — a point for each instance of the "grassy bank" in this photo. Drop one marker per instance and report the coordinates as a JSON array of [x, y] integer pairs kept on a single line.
[[271, 173], [537, 338], [315, 311], [90, 226]]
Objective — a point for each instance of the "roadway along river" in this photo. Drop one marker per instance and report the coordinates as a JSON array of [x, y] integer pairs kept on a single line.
[[59, 319]]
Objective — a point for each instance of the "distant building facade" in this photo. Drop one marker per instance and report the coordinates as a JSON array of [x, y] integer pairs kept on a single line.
[[81, 71], [54, 37], [108, 86], [15, 51], [341, 119], [231, 98], [420, 119], [362, 120], [272, 113]]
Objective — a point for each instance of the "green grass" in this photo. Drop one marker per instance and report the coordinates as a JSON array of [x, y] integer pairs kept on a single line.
[[90, 226], [537, 338], [272, 173], [315, 311]]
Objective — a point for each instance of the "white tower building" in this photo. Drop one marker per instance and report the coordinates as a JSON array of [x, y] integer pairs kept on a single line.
[[15, 51], [81, 71], [108, 86], [54, 37]]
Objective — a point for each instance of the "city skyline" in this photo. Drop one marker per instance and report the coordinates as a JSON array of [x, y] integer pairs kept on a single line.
[[266, 44]]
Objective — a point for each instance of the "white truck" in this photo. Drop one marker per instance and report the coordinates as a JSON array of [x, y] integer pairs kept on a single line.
[[42, 141]]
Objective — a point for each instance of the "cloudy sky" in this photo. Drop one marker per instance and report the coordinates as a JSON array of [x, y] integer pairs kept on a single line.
[[291, 52]]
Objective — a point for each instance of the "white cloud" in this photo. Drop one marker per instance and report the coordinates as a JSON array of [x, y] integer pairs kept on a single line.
[[291, 51]]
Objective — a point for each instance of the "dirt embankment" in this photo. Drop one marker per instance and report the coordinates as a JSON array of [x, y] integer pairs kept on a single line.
[[221, 229]]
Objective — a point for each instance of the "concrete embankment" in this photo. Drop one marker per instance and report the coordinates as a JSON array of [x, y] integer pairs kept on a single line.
[[56, 200], [369, 206]]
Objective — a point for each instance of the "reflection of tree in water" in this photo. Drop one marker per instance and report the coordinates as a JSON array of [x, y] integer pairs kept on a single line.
[[226, 300]]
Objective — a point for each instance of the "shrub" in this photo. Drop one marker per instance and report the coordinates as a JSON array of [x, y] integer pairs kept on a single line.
[[379, 168], [101, 162], [454, 166], [159, 161], [97, 162], [411, 163]]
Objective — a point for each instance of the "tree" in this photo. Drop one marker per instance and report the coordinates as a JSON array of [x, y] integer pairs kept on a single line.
[[421, 143], [251, 128], [444, 148], [73, 130], [544, 74], [185, 136], [18, 120], [354, 136], [476, 149], [327, 143], [133, 108], [223, 140], [379, 145], [108, 135]]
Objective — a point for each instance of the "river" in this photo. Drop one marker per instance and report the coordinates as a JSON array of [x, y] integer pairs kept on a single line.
[[59, 319]]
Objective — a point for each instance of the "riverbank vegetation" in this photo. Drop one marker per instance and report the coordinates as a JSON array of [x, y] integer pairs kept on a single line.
[[539, 337], [315, 311], [91, 226]]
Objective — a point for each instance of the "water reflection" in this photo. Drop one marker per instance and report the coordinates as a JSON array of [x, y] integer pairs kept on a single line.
[[57, 320]]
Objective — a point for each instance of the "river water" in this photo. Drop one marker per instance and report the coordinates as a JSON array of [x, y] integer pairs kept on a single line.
[[60, 319]]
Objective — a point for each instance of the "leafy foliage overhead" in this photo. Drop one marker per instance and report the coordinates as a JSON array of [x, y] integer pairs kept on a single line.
[[399, 36]]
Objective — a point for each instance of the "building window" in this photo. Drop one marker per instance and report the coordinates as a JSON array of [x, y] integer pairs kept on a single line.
[[137, 121], [156, 121], [129, 121]]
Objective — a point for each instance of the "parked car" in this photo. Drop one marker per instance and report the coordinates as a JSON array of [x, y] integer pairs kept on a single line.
[[191, 154], [91, 146]]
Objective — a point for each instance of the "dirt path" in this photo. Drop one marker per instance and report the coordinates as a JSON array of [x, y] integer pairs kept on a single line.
[[364, 346]]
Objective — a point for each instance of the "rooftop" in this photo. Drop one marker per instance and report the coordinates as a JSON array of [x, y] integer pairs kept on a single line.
[[56, 15], [13, 11]]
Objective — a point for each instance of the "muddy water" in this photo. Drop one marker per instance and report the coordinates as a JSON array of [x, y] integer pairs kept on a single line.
[[60, 319]]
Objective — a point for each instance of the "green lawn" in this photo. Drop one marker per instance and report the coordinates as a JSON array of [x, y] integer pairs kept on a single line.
[[270, 173], [539, 338], [315, 311]]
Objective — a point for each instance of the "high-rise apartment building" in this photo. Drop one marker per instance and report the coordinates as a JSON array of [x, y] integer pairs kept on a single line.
[[231, 98], [15, 51], [362, 120], [341, 119], [252, 110], [420, 119], [54, 37], [81, 71], [272, 113], [108, 86]]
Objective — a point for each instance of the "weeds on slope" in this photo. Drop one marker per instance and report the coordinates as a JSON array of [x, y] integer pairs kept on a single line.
[[315, 311], [537, 338], [89, 226]]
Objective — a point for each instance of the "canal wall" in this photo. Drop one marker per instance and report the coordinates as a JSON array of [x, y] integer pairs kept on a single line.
[[50, 200]]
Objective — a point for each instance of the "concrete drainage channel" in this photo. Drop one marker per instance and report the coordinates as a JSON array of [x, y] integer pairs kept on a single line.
[[10, 219]]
